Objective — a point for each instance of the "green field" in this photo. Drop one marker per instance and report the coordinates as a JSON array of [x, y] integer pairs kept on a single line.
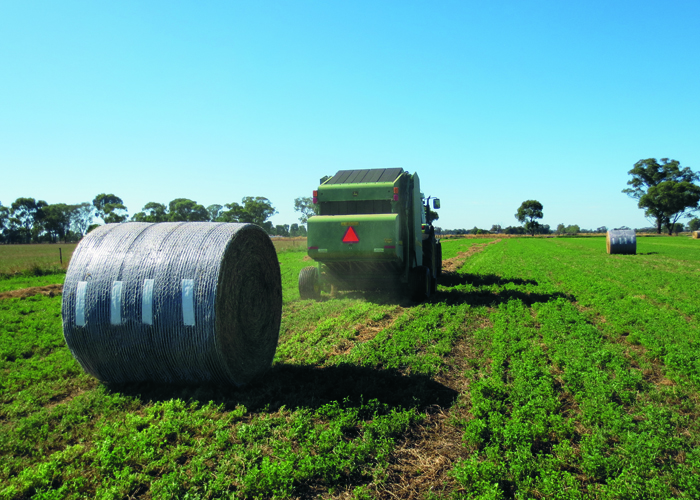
[[19, 258], [542, 368]]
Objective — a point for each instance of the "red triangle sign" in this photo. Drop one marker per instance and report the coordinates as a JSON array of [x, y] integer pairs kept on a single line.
[[350, 236]]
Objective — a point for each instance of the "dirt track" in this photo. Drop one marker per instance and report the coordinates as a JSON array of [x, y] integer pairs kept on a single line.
[[48, 290]]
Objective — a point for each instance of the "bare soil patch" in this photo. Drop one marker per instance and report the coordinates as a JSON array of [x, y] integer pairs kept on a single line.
[[48, 290], [422, 461]]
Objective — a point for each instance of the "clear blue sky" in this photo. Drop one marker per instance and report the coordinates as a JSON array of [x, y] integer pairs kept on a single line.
[[492, 103]]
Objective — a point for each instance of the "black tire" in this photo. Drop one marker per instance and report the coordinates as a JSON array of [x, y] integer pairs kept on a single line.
[[438, 260], [430, 260], [420, 284], [309, 287]]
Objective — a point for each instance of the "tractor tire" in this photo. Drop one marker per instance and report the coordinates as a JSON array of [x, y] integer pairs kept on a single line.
[[420, 284], [430, 260], [438, 259], [309, 287]]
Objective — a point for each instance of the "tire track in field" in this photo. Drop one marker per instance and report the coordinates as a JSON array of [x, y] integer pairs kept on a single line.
[[367, 331], [455, 263], [422, 461]]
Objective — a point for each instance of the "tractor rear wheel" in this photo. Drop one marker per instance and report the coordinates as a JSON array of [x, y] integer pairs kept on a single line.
[[438, 259], [430, 260], [309, 287], [420, 283]]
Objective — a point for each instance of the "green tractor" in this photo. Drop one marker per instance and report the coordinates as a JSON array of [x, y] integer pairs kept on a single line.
[[374, 230]]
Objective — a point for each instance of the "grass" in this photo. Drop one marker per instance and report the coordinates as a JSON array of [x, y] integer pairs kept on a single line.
[[542, 368], [290, 244], [17, 259]]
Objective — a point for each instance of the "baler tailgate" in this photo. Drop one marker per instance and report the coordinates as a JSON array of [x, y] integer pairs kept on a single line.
[[355, 237]]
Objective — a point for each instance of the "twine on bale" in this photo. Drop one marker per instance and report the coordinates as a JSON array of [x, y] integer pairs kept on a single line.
[[621, 241], [173, 302]]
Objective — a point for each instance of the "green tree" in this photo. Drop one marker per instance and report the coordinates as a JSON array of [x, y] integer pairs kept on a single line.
[[182, 209], [57, 219], [27, 214], [255, 210], [214, 211], [282, 230], [572, 229], [81, 218], [694, 224], [510, 230], [527, 213], [151, 212], [4, 222], [306, 206], [678, 228], [110, 208], [664, 190]]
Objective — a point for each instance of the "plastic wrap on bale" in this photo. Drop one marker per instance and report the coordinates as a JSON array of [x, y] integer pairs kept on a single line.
[[621, 241], [173, 302]]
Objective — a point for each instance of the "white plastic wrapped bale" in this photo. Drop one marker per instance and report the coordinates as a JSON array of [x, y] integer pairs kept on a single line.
[[173, 302], [621, 241]]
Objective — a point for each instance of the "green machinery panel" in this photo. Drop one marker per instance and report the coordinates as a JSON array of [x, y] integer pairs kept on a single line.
[[355, 237]]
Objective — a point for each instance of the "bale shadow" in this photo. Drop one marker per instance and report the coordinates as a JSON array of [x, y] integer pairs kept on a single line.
[[647, 253], [300, 386]]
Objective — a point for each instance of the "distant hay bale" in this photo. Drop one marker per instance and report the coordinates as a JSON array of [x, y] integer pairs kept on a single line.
[[173, 302], [696, 235], [621, 241]]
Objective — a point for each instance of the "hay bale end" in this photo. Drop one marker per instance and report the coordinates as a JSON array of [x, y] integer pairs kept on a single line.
[[173, 302]]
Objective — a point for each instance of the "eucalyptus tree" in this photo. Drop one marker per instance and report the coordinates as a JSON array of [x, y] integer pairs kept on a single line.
[[664, 190], [110, 208], [27, 215], [254, 210], [81, 218], [528, 211], [182, 209], [151, 212]]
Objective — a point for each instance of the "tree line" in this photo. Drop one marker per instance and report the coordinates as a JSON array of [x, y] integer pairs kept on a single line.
[[665, 191], [27, 220]]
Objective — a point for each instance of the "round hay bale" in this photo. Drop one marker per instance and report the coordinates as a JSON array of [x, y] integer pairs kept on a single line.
[[621, 241], [173, 302], [696, 235]]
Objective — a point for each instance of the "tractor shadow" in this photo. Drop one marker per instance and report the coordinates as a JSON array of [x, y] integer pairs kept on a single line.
[[482, 296], [486, 297], [452, 279], [302, 386]]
